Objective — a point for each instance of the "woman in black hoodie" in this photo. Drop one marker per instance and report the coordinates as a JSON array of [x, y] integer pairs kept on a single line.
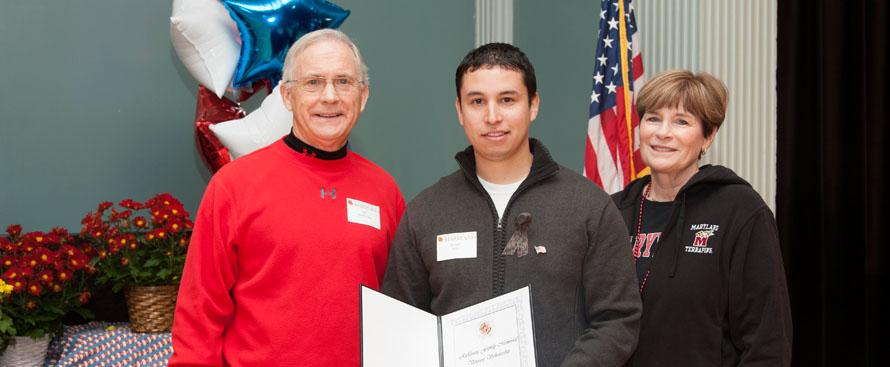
[[706, 246]]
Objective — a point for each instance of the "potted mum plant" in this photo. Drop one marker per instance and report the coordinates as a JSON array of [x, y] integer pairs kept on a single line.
[[141, 249], [44, 279]]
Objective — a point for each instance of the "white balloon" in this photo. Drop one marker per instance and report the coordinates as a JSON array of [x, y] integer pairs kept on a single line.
[[206, 39], [262, 127]]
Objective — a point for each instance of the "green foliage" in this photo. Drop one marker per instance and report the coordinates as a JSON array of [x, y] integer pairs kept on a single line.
[[151, 263], [7, 330]]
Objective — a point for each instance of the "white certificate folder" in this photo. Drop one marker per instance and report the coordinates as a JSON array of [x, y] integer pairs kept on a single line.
[[495, 333]]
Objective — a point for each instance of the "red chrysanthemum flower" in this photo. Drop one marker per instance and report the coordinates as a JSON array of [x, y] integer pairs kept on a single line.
[[7, 261], [140, 222], [17, 286], [46, 277], [77, 262], [35, 288], [12, 274], [128, 203], [64, 275], [31, 261], [70, 251], [25, 272], [88, 250], [6, 244], [87, 220], [84, 297], [174, 227], [117, 216], [14, 230], [59, 231], [44, 255]]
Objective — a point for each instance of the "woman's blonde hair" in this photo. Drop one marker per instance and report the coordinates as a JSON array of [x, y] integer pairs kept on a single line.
[[702, 95]]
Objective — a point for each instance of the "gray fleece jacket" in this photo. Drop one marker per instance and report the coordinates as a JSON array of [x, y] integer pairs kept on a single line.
[[585, 302]]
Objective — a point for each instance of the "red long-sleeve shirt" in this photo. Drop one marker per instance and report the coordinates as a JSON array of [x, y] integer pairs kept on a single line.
[[275, 261]]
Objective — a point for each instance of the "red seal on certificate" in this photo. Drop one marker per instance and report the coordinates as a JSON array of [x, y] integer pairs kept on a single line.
[[484, 328]]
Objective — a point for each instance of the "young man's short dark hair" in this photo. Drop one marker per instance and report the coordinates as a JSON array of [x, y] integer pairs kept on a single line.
[[498, 55]]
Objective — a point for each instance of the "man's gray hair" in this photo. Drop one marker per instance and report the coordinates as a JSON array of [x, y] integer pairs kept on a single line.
[[311, 38]]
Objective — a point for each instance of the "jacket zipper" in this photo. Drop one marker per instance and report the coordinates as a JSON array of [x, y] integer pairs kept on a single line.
[[548, 169], [499, 266]]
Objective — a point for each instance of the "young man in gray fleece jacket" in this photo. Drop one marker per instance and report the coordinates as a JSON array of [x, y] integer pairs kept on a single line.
[[586, 306]]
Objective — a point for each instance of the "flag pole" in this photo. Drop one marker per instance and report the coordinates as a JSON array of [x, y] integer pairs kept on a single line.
[[622, 31]]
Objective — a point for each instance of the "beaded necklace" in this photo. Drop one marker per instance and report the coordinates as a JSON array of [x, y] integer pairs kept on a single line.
[[639, 229]]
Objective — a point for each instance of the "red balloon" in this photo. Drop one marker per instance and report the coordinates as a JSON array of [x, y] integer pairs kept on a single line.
[[212, 110], [245, 93]]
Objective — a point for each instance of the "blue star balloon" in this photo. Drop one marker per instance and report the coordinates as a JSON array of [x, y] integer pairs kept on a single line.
[[269, 27]]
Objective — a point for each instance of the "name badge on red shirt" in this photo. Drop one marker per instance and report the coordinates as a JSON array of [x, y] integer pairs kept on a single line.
[[360, 212]]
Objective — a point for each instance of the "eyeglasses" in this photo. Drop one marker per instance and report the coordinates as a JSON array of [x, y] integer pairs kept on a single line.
[[318, 84]]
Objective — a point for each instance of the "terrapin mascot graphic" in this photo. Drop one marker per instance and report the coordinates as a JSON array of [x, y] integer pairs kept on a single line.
[[703, 233]]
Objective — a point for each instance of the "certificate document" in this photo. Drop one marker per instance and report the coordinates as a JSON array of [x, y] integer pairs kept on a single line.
[[495, 333]]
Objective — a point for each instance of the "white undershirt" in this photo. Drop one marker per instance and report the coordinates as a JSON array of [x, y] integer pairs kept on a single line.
[[500, 194]]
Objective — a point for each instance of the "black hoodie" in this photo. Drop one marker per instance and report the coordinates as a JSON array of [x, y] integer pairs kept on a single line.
[[716, 294]]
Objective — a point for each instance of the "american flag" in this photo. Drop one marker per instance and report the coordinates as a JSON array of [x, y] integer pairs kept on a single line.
[[612, 156]]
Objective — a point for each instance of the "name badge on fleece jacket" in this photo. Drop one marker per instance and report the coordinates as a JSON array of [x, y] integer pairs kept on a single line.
[[460, 245], [360, 212]]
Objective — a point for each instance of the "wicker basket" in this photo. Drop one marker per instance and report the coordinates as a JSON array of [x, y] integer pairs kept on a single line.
[[25, 352], [151, 308]]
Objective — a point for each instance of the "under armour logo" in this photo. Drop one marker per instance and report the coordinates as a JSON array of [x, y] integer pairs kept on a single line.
[[332, 193]]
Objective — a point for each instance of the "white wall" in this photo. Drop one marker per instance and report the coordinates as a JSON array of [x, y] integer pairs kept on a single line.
[[735, 40]]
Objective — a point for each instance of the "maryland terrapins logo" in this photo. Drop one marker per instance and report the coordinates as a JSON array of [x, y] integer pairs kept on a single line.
[[703, 232]]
